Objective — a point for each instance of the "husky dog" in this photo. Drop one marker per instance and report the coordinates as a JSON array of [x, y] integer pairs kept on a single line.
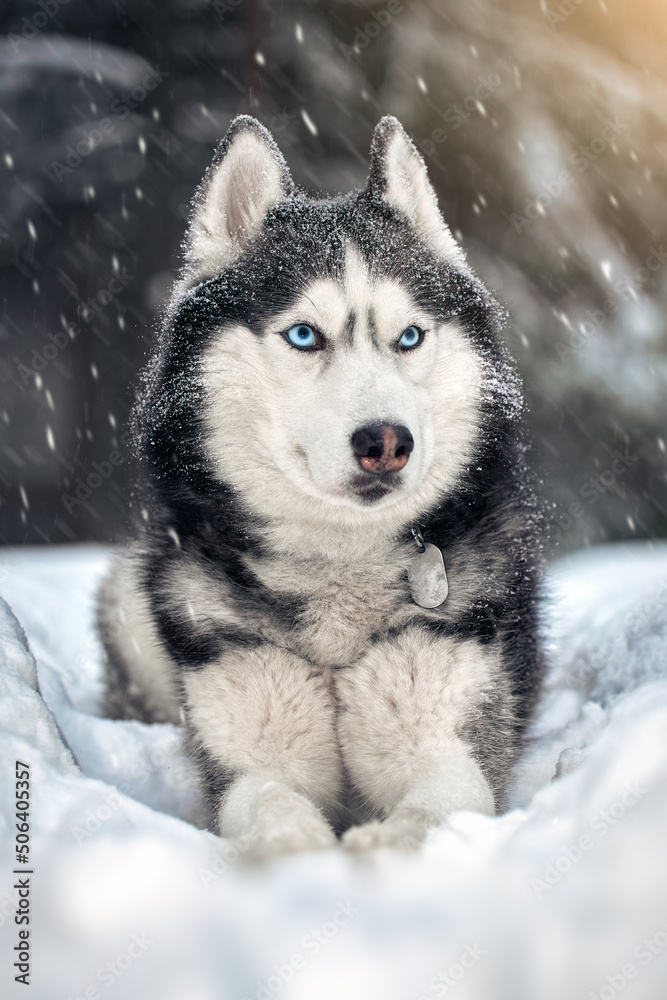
[[330, 437]]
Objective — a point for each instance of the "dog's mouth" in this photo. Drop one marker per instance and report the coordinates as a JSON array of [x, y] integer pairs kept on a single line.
[[371, 488], [361, 489]]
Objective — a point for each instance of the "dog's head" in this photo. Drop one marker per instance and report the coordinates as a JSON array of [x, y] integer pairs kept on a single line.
[[347, 360]]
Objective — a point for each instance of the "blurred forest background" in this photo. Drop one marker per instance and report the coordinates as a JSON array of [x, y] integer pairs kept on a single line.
[[544, 127]]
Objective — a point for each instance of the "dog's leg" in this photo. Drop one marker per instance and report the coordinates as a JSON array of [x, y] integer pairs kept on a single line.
[[139, 674], [407, 709], [262, 722]]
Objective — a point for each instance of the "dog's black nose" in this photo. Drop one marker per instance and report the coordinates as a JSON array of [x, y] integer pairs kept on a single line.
[[382, 447]]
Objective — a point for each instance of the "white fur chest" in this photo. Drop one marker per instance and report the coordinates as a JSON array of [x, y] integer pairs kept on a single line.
[[345, 603]]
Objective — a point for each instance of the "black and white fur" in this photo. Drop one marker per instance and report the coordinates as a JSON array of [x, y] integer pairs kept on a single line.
[[265, 603]]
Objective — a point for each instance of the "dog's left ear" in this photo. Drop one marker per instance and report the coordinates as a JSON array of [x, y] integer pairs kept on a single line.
[[247, 177], [398, 177]]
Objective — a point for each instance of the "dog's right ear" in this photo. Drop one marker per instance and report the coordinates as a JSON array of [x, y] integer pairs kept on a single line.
[[247, 177], [398, 178]]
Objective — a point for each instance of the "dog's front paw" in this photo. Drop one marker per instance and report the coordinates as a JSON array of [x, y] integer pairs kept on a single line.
[[285, 821], [402, 835]]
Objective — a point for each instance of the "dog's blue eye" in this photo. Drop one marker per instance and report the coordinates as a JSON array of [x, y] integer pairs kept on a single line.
[[302, 336], [412, 337]]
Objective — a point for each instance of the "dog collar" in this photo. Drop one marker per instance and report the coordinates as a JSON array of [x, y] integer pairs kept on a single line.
[[426, 574]]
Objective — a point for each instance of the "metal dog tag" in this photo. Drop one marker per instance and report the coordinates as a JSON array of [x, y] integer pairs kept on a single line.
[[427, 577]]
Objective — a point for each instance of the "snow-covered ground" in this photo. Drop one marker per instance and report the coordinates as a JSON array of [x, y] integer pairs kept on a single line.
[[563, 897]]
